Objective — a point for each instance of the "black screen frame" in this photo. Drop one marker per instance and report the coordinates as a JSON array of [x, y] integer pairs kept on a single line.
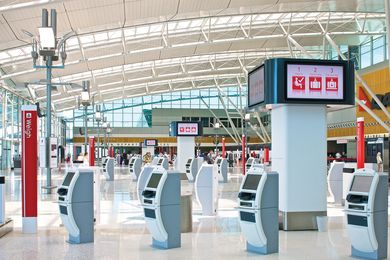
[[264, 85], [315, 63]]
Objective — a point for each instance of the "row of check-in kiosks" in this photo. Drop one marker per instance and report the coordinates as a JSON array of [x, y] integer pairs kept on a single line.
[[159, 192]]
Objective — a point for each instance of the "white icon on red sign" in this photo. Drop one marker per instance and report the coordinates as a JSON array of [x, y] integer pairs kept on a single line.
[[298, 82], [187, 129], [315, 83], [181, 130], [332, 83], [28, 115], [193, 129]]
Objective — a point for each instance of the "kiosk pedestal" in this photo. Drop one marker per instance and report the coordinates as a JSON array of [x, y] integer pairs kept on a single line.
[[135, 167], [335, 181], [76, 205], [258, 209], [206, 185], [109, 168], [367, 214], [161, 202], [6, 225]]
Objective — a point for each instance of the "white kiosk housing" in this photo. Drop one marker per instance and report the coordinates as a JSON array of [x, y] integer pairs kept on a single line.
[[161, 202], [192, 167], [76, 205], [335, 181], [367, 214], [222, 169], [163, 162], [135, 167], [109, 168], [258, 202], [250, 162], [6, 225], [206, 185], [143, 178]]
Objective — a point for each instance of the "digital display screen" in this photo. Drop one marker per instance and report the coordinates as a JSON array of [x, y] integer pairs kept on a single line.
[[132, 161], [189, 161], [361, 183], [322, 82], [187, 129], [150, 142], [219, 161], [251, 182], [68, 178], [154, 180], [256, 87], [160, 161]]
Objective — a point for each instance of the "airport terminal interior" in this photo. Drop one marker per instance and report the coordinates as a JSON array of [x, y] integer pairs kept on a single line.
[[178, 129]]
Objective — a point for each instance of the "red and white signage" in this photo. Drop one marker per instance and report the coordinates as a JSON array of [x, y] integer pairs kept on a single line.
[[29, 168], [92, 151], [315, 82], [190, 129]]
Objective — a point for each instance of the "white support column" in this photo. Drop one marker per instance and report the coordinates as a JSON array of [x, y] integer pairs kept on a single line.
[[185, 150], [299, 156]]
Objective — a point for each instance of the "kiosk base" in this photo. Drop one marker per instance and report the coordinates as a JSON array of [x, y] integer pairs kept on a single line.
[[366, 255], [300, 220], [259, 250], [165, 244], [6, 227]]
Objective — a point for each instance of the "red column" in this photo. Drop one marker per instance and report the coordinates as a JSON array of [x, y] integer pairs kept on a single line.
[[111, 152], [243, 158], [266, 155], [223, 148], [91, 151], [360, 150], [29, 169]]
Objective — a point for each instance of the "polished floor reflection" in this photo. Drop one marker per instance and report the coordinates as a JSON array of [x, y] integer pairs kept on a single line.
[[120, 232]]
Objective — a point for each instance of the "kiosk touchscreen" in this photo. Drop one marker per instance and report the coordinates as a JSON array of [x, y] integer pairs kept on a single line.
[[222, 169], [75, 198], [135, 167], [161, 203], [108, 168], [367, 214], [258, 202], [143, 178]]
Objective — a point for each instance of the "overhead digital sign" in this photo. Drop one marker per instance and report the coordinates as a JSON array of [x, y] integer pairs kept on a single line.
[[190, 129], [185, 129], [315, 82], [150, 142], [302, 81], [256, 86]]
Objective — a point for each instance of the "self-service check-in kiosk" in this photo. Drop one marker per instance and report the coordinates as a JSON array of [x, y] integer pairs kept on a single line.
[[163, 162], [335, 181], [6, 225], [75, 198], [206, 185], [250, 162], [161, 202], [143, 178], [222, 169], [109, 168], [367, 213], [192, 167], [258, 201], [135, 167]]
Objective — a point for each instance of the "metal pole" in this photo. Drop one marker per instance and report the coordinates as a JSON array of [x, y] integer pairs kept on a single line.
[[98, 146], [48, 123], [85, 129]]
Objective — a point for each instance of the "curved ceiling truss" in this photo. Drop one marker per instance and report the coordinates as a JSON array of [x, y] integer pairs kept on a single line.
[[186, 54]]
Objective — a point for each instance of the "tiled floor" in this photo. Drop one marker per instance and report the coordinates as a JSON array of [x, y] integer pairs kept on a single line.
[[122, 234]]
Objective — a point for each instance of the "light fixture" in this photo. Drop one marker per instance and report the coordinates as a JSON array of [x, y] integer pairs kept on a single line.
[[247, 117], [217, 125], [47, 38], [98, 116]]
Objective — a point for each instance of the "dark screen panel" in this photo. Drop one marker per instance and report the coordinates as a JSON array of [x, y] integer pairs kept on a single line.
[[68, 178], [251, 182], [154, 180]]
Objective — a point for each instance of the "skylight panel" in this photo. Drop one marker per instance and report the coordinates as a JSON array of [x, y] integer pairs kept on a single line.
[[101, 36], [86, 39]]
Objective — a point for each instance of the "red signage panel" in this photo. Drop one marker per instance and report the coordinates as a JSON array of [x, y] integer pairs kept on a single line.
[[29, 161]]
